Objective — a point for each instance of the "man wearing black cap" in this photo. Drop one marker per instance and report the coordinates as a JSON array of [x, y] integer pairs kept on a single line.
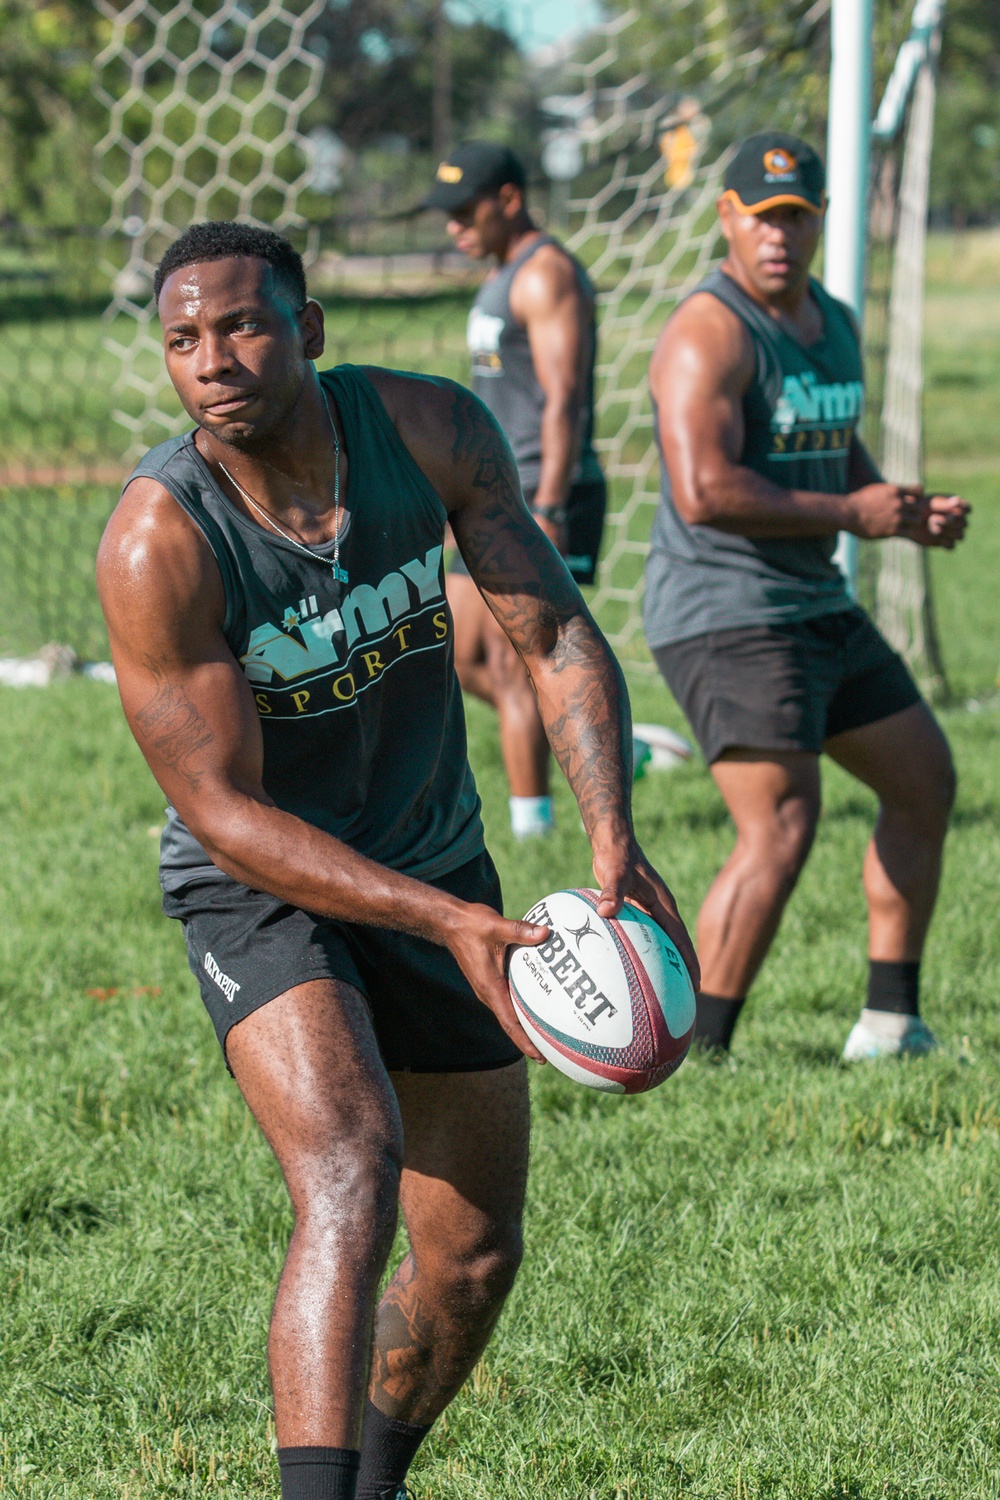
[[532, 340], [757, 384]]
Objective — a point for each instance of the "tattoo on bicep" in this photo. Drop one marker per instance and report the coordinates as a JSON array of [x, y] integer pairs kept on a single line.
[[529, 591], [173, 728], [480, 446]]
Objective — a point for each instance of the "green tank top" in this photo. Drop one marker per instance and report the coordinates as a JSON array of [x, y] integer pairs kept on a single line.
[[799, 414], [354, 679]]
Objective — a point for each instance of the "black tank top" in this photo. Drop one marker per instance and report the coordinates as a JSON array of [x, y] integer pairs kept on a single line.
[[360, 708], [503, 371]]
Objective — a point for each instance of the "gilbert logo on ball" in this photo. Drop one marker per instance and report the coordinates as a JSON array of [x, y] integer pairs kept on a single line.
[[608, 1001]]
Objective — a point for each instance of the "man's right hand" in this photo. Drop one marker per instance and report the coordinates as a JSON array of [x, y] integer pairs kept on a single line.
[[884, 510], [478, 939]]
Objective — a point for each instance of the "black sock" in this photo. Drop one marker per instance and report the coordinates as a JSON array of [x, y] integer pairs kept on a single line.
[[715, 1022], [318, 1473], [387, 1450], [894, 986]]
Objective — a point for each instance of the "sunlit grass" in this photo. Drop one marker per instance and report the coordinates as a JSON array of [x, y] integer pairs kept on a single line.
[[775, 1279]]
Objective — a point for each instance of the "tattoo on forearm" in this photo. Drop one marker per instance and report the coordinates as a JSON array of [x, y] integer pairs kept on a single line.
[[536, 602], [173, 727], [591, 735]]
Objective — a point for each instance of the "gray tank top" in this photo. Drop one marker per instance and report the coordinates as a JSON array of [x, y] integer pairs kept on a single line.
[[800, 414], [503, 372], [354, 680]]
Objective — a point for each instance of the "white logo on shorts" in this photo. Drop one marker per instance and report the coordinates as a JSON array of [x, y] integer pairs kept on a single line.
[[228, 986]]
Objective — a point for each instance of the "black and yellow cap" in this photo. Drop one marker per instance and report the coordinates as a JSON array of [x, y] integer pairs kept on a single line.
[[773, 168], [474, 167]]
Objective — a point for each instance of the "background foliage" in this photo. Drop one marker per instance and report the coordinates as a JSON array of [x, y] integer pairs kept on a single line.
[[378, 86]]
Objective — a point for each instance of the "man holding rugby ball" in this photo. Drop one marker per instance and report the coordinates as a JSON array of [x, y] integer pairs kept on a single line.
[[274, 592]]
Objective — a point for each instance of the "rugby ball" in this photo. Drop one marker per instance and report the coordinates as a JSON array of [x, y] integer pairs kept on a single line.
[[608, 1001]]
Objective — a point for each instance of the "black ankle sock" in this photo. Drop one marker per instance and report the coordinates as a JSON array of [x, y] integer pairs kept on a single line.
[[715, 1022], [387, 1450], [318, 1473], [894, 986]]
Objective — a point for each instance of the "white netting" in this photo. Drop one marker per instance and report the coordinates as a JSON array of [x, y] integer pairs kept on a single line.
[[203, 122], [222, 115], [904, 601], [245, 110]]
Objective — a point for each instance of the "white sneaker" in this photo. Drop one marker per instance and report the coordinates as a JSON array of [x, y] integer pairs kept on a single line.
[[531, 817], [883, 1033], [666, 748]]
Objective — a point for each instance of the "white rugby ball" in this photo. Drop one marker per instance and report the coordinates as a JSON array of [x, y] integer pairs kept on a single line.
[[608, 1001]]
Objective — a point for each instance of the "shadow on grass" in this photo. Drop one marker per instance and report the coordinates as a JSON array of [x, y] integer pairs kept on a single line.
[[63, 1216], [852, 1489]]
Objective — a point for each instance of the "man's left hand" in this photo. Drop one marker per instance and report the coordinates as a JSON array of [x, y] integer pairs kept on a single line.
[[625, 874]]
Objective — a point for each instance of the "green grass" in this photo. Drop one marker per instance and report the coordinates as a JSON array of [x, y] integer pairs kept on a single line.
[[775, 1279]]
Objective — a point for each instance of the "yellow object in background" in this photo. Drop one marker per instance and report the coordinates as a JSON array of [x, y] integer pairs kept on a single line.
[[679, 149]]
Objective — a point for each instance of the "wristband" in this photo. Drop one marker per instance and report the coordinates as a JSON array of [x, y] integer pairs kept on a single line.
[[554, 513]]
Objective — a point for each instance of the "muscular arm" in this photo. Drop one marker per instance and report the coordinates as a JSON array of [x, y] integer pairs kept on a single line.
[[193, 715], [581, 691], [579, 684], [701, 370], [546, 297]]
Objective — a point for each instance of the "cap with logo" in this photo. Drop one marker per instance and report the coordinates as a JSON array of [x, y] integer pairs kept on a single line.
[[773, 168], [474, 167]]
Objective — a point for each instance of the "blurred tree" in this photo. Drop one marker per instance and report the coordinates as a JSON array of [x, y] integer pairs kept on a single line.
[[381, 69], [965, 170], [48, 116], [751, 63]]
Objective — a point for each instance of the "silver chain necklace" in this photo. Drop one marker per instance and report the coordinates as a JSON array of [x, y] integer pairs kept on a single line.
[[333, 562]]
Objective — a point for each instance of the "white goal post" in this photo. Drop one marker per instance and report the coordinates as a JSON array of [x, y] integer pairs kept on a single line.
[[903, 599]]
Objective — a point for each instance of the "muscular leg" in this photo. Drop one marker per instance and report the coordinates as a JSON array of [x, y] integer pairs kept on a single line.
[[489, 667], [468, 610], [774, 800], [523, 742], [906, 761], [462, 1193], [310, 1071]]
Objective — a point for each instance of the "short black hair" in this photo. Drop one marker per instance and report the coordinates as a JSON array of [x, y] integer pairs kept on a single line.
[[218, 239]]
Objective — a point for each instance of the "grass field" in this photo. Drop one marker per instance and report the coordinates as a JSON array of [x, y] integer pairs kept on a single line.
[[775, 1279]]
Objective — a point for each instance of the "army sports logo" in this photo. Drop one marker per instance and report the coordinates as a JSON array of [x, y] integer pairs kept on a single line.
[[483, 333], [811, 419], [318, 660]]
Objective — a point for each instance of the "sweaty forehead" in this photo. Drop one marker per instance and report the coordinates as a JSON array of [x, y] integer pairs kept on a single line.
[[207, 286]]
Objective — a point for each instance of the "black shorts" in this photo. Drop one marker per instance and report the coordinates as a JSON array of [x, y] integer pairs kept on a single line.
[[246, 947], [586, 504], [787, 687]]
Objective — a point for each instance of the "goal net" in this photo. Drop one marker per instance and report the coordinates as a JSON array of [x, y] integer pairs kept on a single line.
[[326, 120], [899, 575]]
